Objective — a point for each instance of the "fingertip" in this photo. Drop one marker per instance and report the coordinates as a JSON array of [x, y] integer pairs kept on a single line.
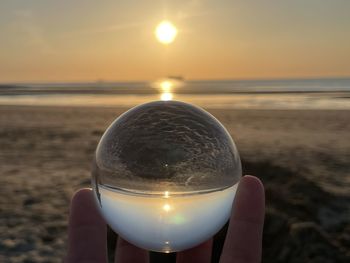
[[250, 194], [253, 183], [83, 208], [81, 195], [86, 230], [251, 178], [244, 235]]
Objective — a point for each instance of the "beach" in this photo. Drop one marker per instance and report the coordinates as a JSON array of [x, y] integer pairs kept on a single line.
[[302, 157]]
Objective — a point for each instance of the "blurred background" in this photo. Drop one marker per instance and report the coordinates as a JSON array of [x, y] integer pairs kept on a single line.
[[275, 73]]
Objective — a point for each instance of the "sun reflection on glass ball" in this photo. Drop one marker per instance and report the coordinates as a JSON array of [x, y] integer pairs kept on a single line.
[[165, 174]]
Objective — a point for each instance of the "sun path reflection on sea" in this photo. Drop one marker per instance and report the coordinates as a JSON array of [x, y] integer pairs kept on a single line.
[[167, 87]]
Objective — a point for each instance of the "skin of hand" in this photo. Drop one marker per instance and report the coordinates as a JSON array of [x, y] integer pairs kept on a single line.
[[87, 231]]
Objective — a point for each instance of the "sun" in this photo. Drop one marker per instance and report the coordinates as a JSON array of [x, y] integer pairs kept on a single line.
[[166, 32]]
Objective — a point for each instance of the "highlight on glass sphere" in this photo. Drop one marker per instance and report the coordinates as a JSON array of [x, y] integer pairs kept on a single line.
[[165, 175]]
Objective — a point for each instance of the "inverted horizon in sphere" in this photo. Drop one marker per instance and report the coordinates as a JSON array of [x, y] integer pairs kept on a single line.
[[162, 224]]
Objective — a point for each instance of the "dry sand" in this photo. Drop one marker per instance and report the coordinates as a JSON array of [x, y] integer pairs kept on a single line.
[[301, 156]]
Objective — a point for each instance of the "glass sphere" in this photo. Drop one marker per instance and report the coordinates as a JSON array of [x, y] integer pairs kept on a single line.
[[165, 174]]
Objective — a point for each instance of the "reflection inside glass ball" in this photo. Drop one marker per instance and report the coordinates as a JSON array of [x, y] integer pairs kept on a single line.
[[165, 175]]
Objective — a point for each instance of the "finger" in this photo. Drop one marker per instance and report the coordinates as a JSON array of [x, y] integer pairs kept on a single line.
[[127, 252], [200, 254], [244, 236], [86, 231]]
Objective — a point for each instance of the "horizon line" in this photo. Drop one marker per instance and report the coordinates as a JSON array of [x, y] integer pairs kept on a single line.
[[101, 80]]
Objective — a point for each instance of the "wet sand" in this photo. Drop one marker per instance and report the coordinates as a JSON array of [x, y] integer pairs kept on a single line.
[[301, 156]]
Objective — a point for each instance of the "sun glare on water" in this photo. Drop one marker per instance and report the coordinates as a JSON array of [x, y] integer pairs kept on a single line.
[[166, 86], [166, 32], [166, 90], [166, 96]]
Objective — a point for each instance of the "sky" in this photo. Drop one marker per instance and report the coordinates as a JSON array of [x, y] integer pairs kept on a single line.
[[83, 40]]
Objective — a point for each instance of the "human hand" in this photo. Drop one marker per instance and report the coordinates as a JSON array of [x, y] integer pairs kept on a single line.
[[87, 232]]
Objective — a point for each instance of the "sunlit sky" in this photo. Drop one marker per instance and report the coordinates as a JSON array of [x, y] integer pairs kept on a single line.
[[83, 40]]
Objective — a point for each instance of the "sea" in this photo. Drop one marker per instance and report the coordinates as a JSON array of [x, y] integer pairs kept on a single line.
[[325, 93]]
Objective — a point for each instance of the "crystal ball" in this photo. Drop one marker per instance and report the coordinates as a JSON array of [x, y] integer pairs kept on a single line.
[[165, 174]]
